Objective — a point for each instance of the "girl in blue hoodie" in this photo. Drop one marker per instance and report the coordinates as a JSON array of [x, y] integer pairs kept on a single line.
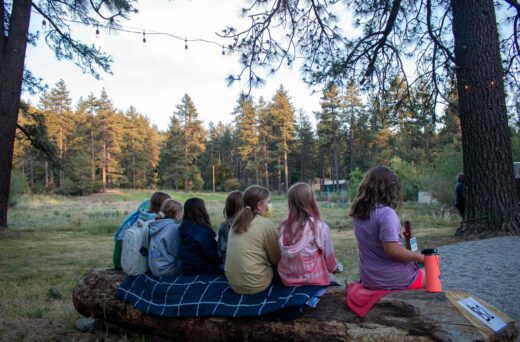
[[163, 252], [198, 247], [147, 211]]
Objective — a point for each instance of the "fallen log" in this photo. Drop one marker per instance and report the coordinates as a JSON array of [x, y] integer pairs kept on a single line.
[[399, 316]]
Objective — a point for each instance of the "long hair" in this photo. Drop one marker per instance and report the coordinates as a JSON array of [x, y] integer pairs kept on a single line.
[[379, 186], [252, 196], [157, 200], [194, 210], [233, 204], [170, 209], [302, 208]]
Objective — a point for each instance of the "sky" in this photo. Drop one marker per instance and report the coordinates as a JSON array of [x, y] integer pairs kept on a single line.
[[153, 77]]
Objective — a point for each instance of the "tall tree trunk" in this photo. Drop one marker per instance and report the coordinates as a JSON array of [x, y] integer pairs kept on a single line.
[[322, 179], [104, 169], [266, 166], [302, 160], [279, 174], [257, 174], [92, 152], [351, 145], [109, 169], [12, 56], [336, 172], [491, 199], [286, 170], [133, 164], [60, 156], [46, 167], [32, 171]]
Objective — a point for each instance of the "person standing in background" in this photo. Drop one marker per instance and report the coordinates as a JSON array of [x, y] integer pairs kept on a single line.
[[459, 195]]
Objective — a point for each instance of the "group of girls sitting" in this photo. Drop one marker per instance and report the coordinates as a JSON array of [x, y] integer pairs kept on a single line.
[[252, 252]]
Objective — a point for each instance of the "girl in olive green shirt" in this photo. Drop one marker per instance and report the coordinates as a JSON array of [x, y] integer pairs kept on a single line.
[[252, 248]]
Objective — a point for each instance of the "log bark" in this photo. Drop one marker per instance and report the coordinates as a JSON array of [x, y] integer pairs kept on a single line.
[[399, 316]]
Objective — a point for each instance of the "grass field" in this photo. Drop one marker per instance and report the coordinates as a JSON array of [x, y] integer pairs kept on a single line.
[[54, 240]]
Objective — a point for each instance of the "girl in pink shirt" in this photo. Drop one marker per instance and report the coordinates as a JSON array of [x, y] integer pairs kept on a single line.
[[307, 253]]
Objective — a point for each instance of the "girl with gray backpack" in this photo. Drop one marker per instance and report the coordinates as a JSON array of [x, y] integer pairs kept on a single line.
[[163, 251]]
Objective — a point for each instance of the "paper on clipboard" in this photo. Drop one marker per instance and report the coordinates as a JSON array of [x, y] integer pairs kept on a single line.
[[413, 244], [482, 314]]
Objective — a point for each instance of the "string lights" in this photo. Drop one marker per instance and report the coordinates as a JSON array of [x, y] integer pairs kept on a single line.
[[144, 33]]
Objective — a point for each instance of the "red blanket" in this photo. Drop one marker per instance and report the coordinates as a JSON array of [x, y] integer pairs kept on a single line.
[[360, 299]]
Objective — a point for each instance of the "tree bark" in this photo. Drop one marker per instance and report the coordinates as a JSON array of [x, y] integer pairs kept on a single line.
[[286, 172], [400, 316], [12, 56], [491, 201]]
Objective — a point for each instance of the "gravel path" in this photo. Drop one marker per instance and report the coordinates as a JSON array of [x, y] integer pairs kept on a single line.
[[489, 269]]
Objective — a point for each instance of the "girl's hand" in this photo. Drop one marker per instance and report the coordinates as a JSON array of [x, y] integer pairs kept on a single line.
[[339, 268]]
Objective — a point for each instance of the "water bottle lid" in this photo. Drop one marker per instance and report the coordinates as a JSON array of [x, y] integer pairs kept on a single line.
[[429, 251]]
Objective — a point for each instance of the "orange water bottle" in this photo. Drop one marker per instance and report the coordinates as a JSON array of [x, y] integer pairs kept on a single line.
[[433, 270]]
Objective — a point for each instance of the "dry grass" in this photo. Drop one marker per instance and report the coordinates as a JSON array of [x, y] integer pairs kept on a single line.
[[54, 240]]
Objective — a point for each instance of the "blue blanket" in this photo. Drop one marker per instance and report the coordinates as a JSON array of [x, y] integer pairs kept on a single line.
[[210, 295]]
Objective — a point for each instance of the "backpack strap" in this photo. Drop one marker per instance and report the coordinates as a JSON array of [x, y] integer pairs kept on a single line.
[[145, 242]]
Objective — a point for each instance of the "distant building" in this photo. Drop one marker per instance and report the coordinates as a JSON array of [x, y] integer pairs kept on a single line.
[[425, 197], [329, 185]]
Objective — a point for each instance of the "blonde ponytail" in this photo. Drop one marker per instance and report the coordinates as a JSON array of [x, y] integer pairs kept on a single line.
[[252, 196]]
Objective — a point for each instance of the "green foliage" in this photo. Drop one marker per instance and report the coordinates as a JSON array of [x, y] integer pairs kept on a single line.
[[407, 172], [440, 177], [232, 184], [356, 176], [18, 187]]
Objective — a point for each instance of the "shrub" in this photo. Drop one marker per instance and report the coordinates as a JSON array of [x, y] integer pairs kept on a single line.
[[232, 184], [440, 177], [18, 187], [356, 177]]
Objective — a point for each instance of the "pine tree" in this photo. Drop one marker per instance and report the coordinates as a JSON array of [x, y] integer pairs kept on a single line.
[[171, 167], [56, 105], [247, 136], [266, 138], [140, 153], [353, 106], [330, 126], [193, 139], [109, 136], [282, 112], [305, 148]]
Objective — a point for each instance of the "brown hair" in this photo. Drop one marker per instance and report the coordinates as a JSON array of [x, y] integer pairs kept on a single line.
[[194, 210], [233, 204], [157, 200], [379, 186], [302, 207], [252, 196], [170, 209]]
